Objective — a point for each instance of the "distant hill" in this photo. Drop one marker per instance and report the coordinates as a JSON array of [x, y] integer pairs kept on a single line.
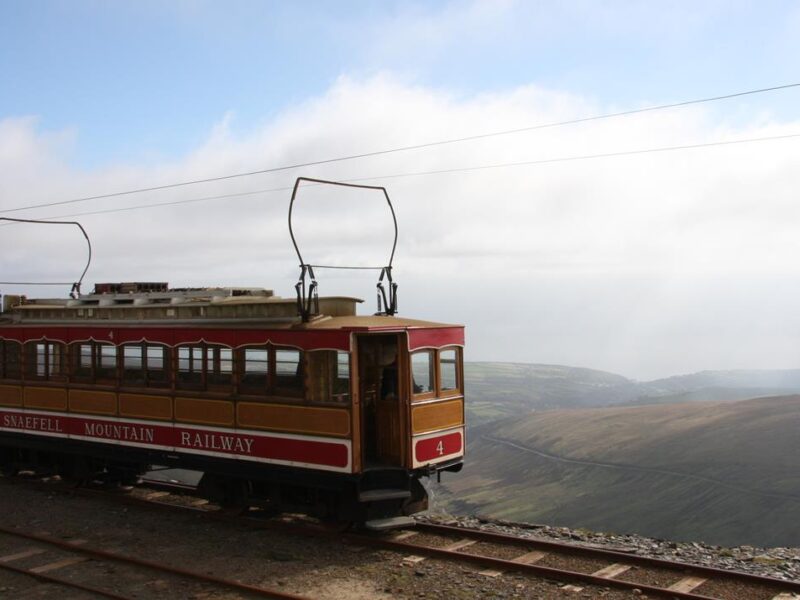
[[723, 385], [726, 473], [499, 390]]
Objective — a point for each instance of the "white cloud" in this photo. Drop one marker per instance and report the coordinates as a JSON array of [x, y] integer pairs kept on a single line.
[[607, 263]]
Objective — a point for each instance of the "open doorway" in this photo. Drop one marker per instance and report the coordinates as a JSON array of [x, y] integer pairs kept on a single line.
[[378, 357]]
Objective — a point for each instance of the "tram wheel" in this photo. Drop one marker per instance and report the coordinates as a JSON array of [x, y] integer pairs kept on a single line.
[[7, 463], [76, 470], [9, 470], [233, 495]]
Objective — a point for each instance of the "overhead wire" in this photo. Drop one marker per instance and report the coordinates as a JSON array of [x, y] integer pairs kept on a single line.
[[542, 161], [408, 148], [36, 283]]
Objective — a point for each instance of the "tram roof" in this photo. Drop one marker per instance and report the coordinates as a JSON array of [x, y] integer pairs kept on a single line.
[[375, 323]]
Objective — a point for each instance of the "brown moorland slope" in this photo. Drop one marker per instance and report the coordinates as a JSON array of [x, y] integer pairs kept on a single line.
[[727, 473]]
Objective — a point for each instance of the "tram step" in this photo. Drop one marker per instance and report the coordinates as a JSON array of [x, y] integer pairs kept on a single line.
[[390, 523], [383, 494]]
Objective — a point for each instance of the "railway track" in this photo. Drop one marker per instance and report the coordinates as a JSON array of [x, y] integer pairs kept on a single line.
[[502, 553], [41, 557], [586, 565], [581, 569]]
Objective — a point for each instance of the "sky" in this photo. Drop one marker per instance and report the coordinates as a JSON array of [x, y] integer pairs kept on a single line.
[[647, 265]]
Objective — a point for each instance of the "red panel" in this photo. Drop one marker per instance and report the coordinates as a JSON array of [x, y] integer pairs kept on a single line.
[[436, 447], [172, 336], [197, 439], [12, 334], [292, 450], [151, 334], [45, 424], [435, 338]]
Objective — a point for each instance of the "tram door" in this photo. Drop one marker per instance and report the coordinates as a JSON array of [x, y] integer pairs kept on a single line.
[[379, 382]]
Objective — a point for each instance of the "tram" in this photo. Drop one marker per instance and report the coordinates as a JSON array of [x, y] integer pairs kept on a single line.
[[293, 404]]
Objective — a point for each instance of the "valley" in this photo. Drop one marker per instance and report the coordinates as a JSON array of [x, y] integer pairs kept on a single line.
[[590, 449]]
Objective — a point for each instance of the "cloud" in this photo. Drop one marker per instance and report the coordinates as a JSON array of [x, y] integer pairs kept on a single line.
[[606, 263]]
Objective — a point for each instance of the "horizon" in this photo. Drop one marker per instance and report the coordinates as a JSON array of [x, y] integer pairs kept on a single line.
[[634, 379]]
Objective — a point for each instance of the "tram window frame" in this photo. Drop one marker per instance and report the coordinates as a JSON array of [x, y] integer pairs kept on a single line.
[[324, 376], [147, 375], [219, 368], [458, 375], [44, 361], [254, 382], [131, 374], [6, 371], [81, 365], [288, 386], [432, 374], [94, 366], [106, 367], [211, 368], [163, 380], [195, 370]]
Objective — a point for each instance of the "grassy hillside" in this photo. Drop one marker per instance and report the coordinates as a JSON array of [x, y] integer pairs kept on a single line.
[[725, 473]]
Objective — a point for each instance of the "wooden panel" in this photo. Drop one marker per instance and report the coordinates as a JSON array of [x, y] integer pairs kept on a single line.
[[10, 395], [437, 415], [387, 416], [294, 419], [207, 412], [46, 398], [140, 406], [96, 403]]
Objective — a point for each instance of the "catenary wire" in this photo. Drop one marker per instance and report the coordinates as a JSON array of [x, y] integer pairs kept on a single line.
[[410, 147], [453, 170]]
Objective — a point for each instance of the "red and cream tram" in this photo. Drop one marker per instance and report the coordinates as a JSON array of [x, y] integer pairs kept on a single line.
[[334, 414]]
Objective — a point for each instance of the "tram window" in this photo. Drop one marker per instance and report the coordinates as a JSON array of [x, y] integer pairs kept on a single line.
[[219, 366], [10, 359], [255, 370], [328, 376], [93, 361], [44, 360], [341, 379], [82, 361], [13, 362], [448, 369], [132, 365], [106, 361], [156, 365], [289, 372], [190, 367], [422, 371], [32, 361], [144, 364]]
